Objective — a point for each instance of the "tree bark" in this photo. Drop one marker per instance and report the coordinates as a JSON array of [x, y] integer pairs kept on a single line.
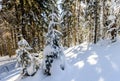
[[95, 21], [22, 20]]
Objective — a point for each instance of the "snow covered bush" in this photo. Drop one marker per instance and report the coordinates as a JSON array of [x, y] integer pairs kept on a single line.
[[25, 59]]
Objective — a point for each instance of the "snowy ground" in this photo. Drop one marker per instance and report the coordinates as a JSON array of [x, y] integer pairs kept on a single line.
[[7, 66], [85, 62], [6, 59]]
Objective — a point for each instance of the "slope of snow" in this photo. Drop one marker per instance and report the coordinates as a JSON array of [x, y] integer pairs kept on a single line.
[[86, 62]]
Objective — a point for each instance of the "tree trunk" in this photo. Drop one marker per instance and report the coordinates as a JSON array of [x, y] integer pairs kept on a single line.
[[22, 20], [95, 22]]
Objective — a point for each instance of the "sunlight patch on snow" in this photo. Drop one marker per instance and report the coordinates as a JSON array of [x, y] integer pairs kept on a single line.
[[72, 80], [79, 64], [81, 47], [93, 59], [68, 50], [101, 79], [73, 52], [14, 78], [71, 55]]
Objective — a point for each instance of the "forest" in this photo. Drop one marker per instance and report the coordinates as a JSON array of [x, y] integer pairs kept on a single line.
[[77, 20], [59, 40]]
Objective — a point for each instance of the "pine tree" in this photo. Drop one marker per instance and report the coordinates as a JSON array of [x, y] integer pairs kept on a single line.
[[24, 59], [53, 49], [111, 22]]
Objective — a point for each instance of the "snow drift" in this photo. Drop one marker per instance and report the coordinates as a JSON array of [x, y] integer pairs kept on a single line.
[[86, 62]]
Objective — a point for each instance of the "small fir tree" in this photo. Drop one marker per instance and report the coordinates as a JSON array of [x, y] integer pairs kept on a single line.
[[112, 28], [53, 49], [24, 58]]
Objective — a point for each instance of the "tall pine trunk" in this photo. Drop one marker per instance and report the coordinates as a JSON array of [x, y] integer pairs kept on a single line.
[[95, 21], [22, 20]]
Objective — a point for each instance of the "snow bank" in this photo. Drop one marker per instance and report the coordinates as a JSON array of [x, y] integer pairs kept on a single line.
[[86, 62], [96, 62]]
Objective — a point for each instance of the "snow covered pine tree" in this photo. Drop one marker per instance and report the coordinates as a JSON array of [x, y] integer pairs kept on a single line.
[[112, 28], [24, 58], [53, 50]]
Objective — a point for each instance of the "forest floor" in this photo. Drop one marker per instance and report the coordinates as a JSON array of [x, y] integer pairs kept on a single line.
[[84, 62]]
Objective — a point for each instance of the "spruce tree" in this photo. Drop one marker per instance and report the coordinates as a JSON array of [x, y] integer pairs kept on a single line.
[[53, 49], [24, 59]]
